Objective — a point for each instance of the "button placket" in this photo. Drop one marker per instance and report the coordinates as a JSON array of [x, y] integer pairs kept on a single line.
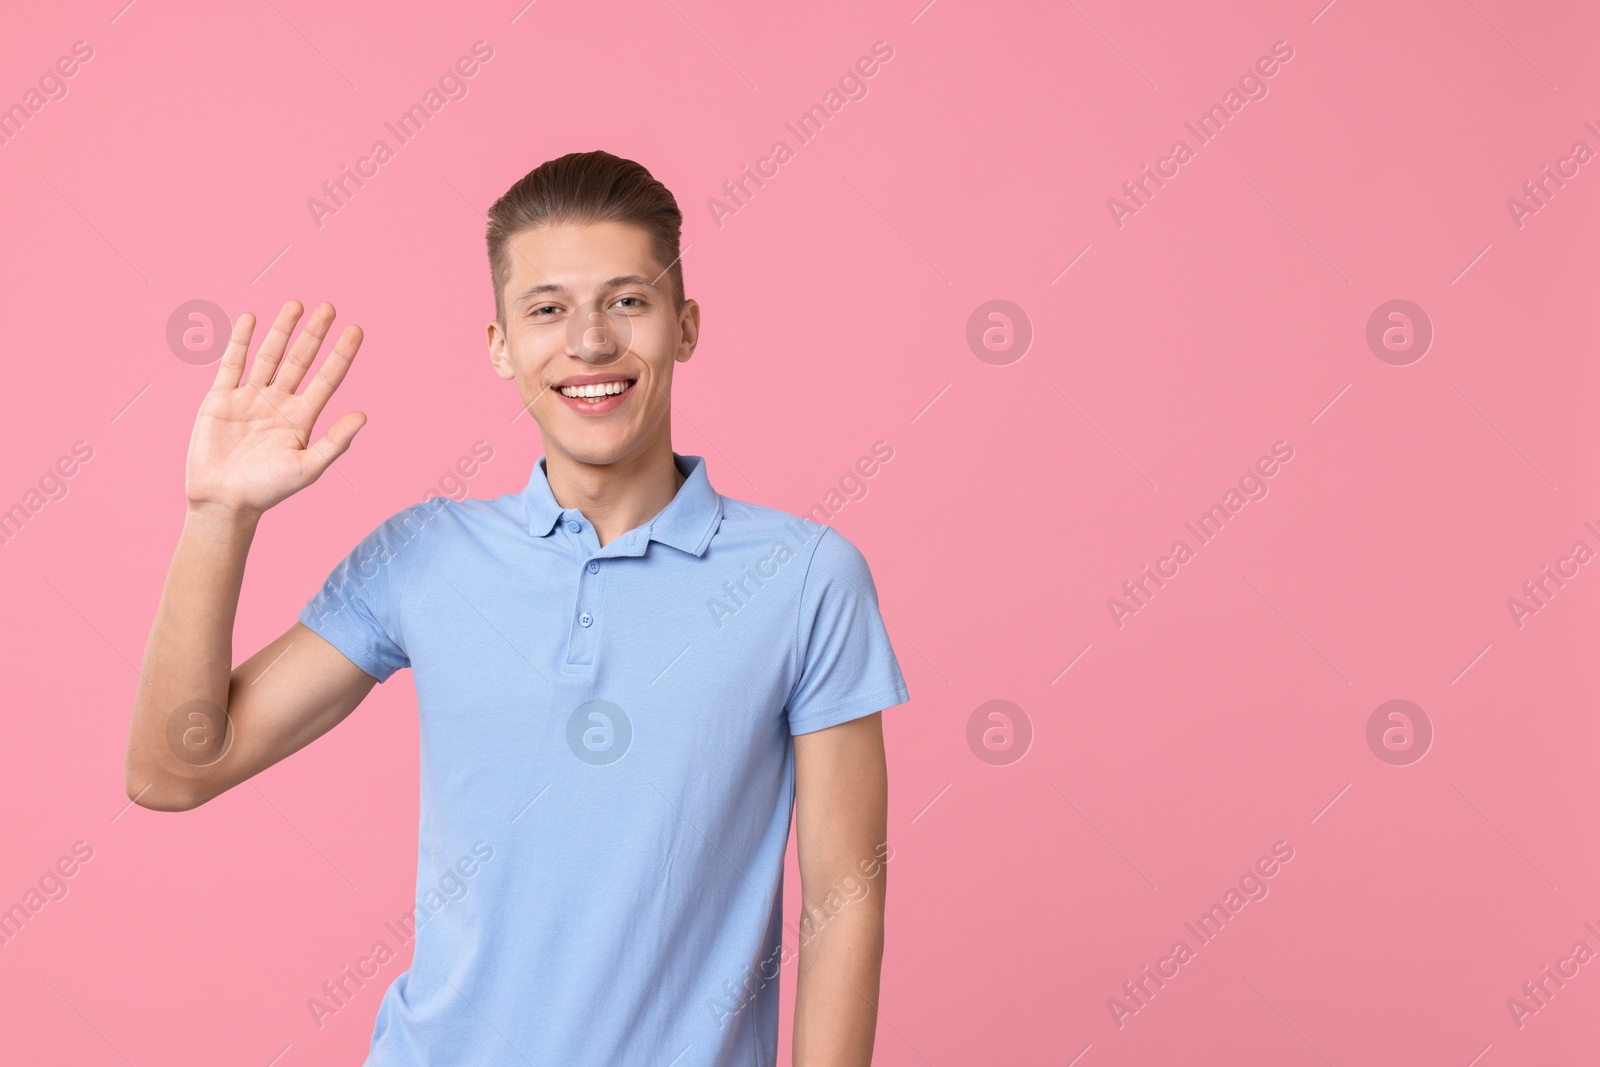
[[584, 634]]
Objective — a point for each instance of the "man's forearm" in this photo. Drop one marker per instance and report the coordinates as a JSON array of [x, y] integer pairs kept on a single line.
[[188, 659], [836, 996]]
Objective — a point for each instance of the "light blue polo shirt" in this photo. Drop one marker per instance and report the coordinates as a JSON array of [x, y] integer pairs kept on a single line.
[[607, 765]]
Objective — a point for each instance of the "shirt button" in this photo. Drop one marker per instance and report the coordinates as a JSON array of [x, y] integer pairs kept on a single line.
[[594, 567], [585, 619], [574, 526]]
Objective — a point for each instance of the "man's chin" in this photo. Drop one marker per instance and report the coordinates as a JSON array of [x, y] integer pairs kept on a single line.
[[597, 450]]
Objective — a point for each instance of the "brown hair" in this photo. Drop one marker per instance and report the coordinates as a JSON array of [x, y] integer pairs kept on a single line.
[[585, 187]]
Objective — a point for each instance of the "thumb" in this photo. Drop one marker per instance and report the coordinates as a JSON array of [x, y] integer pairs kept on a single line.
[[331, 445]]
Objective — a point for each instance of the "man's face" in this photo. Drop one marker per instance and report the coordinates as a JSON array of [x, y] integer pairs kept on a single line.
[[589, 310]]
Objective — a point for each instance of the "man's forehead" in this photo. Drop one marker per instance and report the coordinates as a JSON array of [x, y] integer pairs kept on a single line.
[[580, 257]]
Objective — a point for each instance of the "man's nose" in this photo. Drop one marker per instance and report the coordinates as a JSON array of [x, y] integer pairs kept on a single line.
[[595, 337]]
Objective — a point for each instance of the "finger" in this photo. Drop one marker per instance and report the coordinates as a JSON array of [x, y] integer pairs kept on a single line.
[[232, 364], [304, 349], [271, 350], [331, 445], [333, 369]]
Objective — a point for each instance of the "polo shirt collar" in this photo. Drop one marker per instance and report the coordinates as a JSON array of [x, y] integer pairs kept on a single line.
[[686, 523]]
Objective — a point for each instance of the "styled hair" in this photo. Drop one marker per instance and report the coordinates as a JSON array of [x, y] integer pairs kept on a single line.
[[583, 187]]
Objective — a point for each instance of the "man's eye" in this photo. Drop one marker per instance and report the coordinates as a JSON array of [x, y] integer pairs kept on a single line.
[[638, 302], [547, 307]]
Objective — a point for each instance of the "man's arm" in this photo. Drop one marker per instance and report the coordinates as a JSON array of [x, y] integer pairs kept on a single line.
[[841, 818], [199, 726]]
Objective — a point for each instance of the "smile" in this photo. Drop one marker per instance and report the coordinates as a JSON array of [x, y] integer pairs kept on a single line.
[[597, 392]]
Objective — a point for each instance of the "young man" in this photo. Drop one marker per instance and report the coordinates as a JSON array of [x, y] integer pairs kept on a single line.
[[626, 681]]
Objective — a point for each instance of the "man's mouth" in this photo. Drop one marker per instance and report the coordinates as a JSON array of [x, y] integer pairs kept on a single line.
[[596, 392]]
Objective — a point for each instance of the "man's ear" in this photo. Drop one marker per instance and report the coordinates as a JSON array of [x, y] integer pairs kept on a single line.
[[497, 351], [688, 330]]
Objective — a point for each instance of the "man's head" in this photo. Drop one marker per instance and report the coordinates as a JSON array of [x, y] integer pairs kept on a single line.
[[583, 253]]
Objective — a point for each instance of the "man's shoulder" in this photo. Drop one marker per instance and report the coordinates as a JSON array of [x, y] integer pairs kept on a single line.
[[468, 511], [743, 520], [440, 519], [828, 552]]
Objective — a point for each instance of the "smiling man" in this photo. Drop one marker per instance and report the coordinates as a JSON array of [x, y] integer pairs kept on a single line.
[[611, 772]]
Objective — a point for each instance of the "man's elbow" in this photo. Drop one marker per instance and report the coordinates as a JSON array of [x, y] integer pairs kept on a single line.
[[163, 796]]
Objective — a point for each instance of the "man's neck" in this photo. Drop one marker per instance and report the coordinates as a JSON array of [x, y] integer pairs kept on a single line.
[[619, 496]]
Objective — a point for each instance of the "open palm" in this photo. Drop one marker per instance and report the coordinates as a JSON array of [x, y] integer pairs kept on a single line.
[[252, 446]]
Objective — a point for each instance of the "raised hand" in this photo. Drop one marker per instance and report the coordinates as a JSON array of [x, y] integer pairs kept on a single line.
[[251, 446]]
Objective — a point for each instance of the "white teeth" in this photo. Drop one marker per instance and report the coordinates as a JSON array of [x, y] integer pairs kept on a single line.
[[600, 389]]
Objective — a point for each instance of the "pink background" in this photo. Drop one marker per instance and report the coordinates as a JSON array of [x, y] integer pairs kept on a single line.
[[1227, 314]]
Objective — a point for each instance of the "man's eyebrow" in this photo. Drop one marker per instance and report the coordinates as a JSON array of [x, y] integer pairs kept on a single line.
[[618, 282]]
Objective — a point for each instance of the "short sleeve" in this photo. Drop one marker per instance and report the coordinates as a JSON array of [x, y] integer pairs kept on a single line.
[[357, 610], [847, 666]]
